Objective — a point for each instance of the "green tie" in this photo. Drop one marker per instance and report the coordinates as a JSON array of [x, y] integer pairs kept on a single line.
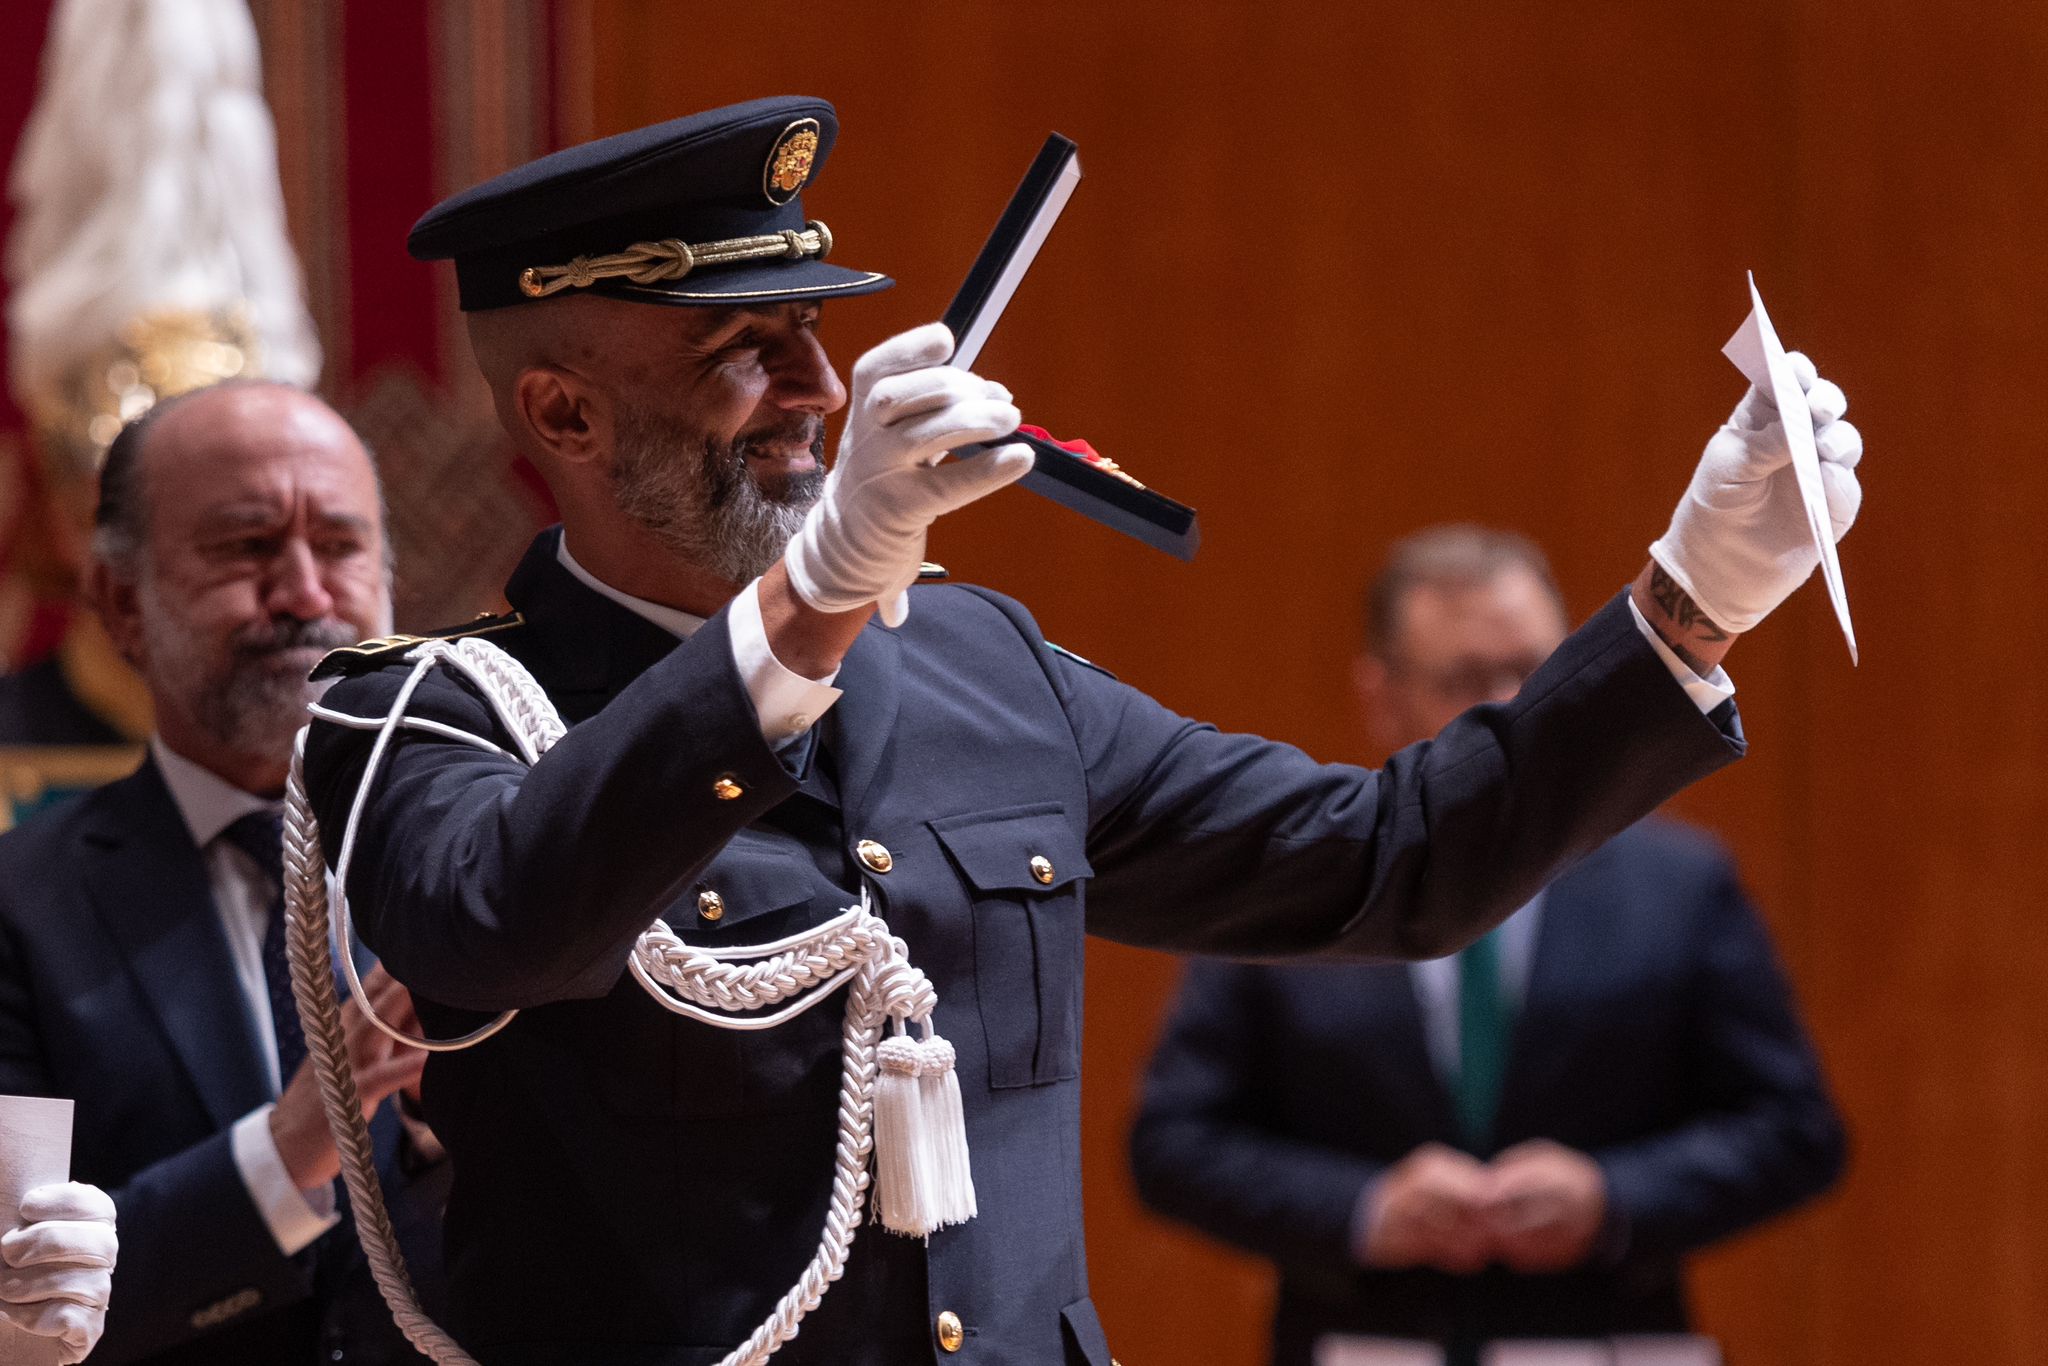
[[1483, 1026]]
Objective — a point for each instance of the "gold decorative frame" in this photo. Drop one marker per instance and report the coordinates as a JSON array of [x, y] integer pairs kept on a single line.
[[32, 776]]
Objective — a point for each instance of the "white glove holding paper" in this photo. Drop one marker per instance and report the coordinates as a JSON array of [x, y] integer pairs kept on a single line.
[[864, 541], [1740, 541], [57, 1267]]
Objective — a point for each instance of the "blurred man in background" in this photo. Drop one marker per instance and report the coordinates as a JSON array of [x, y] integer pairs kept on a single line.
[[1522, 1140], [240, 535]]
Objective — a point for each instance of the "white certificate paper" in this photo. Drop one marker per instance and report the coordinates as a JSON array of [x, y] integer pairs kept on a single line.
[[1338, 1350], [1546, 1352], [1676, 1350], [1652, 1350], [1756, 352], [35, 1150]]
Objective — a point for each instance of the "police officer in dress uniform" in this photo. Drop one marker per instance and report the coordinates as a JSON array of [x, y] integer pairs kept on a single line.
[[751, 749]]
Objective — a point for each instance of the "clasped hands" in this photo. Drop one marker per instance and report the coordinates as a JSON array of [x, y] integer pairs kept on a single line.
[[1537, 1207]]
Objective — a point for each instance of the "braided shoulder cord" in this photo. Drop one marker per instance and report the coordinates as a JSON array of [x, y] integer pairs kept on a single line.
[[312, 967], [702, 984]]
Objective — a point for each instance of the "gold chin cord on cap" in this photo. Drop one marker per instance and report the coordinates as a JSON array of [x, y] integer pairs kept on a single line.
[[647, 263]]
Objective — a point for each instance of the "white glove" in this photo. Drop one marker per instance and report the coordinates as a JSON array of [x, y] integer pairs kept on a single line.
[[864, 540], [59, 1266], [1739, 543]]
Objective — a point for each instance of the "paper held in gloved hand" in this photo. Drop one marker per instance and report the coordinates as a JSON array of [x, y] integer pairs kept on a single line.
[[35, 1150], [1757, 353]]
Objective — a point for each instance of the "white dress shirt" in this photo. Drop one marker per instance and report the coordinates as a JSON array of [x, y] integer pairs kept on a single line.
[[242, 892], [785, 703]]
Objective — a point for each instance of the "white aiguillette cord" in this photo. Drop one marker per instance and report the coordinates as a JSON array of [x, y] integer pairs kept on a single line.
[[899, 1100]]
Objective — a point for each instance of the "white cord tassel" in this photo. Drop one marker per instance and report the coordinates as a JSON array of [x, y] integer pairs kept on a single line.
[[949, 1185], [922, 1178], [899, 1137]]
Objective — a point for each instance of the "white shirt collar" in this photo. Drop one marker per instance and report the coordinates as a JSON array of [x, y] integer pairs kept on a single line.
[[208, 802], [676, 622]]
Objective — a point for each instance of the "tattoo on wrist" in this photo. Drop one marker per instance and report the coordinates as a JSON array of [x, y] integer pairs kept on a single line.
[[1685, 616]]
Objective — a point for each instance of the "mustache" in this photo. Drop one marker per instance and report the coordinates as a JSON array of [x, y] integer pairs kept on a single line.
[[283, 634]]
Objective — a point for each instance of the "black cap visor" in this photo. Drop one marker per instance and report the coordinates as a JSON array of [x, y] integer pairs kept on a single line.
[[768, 282]]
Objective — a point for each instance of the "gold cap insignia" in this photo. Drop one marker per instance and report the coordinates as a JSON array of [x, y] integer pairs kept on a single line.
[[789, 161]]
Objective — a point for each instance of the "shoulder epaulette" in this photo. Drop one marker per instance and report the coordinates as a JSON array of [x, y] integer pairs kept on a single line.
[[366, 656], [930, 573], [1078, 659]]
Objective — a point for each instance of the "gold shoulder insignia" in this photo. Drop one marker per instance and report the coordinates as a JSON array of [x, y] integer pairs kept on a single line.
[[930, 573], [366, 656]]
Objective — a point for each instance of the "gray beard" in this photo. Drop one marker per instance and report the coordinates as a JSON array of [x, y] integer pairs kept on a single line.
[[699, 501], [253, 701]]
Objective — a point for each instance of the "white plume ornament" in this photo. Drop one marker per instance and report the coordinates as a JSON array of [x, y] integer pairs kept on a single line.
[[147, 189]]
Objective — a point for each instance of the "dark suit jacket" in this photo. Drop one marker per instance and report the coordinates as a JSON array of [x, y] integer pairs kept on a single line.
[[681, 1171], [117, 990], [1658, 1034]]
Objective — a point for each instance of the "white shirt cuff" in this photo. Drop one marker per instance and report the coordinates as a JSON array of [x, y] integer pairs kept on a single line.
[[295, 1217], [786, 704], [1706, 693]]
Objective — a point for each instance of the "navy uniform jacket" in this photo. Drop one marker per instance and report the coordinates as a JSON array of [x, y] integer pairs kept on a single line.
[[117, 990], [1658, 1034], [632, 1187]]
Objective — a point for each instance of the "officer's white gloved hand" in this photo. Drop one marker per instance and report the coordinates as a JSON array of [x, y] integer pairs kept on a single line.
[[1739, 543], [864, 540], [57, 1267]]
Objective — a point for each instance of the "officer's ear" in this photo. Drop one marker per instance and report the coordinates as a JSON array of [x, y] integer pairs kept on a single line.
[[563, 416]]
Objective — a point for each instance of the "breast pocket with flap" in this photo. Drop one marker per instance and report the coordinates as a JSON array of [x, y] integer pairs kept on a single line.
[[1024, 868]]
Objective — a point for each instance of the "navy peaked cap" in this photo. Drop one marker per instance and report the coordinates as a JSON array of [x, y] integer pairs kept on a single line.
[[699, 210]]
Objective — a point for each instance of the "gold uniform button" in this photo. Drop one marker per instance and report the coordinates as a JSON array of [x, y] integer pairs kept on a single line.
[[951, 1334], [879, 860], [1041, 868], [727, 789], [710, 905]]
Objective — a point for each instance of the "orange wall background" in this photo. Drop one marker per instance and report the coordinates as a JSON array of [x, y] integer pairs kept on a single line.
[[1338, 271]]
